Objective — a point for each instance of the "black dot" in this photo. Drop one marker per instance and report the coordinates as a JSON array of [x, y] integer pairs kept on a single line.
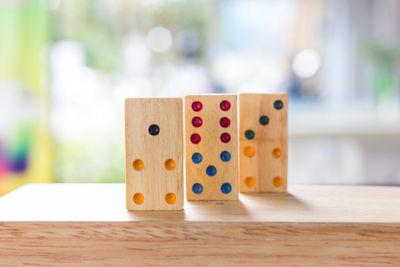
[[264, 120], [278, 104], [249, 134], [154, 129]]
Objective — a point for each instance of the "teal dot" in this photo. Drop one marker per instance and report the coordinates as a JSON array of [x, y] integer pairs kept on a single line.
[[264, 120], [278, 104], [249, 134]]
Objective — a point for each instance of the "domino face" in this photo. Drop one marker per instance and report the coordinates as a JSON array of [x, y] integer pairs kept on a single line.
[[211, 147], [154, 153], [263, 141]]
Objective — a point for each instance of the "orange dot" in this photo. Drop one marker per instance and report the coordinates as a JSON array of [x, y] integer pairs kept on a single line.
[[249, 151], [277, 153], [170, 198], [250, 181], [170, 164], [138, 164], [278, 181], [138, 198]]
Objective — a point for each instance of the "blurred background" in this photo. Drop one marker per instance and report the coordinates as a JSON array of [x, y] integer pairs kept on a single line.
[[66, 67]]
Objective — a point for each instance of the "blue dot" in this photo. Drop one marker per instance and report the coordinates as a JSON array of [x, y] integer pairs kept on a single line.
[[197, 188], [226, 188], [225, 156], [197, 158], [211, 170]]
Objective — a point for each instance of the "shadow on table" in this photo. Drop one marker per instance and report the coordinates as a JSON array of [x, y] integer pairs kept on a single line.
[[258, 207]]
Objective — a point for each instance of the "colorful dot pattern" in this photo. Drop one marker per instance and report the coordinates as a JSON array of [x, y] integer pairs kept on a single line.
[[209, 122], [154, 173], [258, 125]]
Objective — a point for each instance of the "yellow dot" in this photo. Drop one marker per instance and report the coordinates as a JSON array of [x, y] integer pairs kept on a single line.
[[170, 198], [249, 151], [170, 164], [138, 198], [138, 164], [278, 181], [250, 181], [277, 153]]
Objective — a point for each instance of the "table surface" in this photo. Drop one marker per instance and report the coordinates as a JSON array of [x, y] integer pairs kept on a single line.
[[88, 225], [106, 203]]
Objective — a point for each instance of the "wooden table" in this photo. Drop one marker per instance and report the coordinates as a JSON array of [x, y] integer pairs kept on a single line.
[[88, 225]]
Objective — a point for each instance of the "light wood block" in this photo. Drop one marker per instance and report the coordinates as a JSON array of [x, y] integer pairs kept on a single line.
[[201, 184], [86, 225], [263, 159], [154, 153]]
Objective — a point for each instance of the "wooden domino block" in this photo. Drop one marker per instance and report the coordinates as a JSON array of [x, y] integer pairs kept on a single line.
[[263, 137], [211, 147], [154, 153]]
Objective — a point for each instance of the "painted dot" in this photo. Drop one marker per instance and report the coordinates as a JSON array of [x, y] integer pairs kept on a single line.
[[197, 158], [138, 198], [226, 188], [264, 120], [225, 122], [170, 164], [138, 164], [249, 134], [197, 106], [250, 181], [225, 156], [170, 198], [278, 104], [278, 181], [211, 170], [277, 153], [225, 105], [225, 138], [197, 122], [154, 129], [197, 188], [249, 151], [195, 138]]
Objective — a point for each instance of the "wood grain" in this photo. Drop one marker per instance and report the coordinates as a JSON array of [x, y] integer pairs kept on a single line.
[[211, 147], [154, 181], [86, 225], [263, 166], [198, 244]]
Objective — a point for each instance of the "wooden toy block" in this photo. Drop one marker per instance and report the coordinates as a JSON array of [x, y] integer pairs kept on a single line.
[[154, 153], [263, 141], [211, 147]]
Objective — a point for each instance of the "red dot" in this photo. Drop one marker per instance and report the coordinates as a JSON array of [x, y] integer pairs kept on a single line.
[[195, 138], [197, 106], [225, 122], [225, 105], [197, 121], [225, 137]]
